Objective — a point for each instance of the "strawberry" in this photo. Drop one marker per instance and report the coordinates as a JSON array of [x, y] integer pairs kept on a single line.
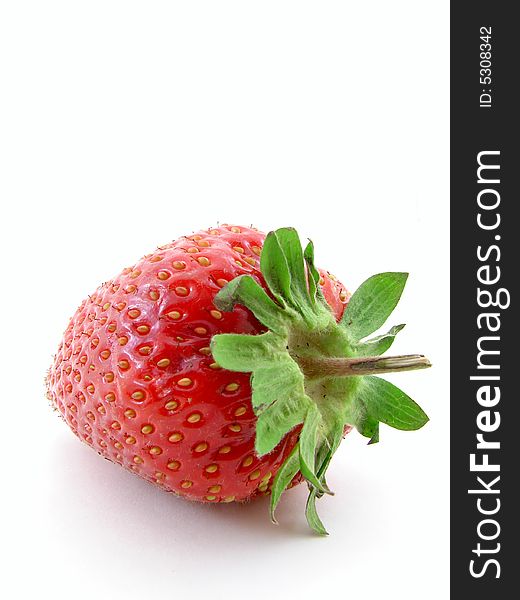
[[225, 365]]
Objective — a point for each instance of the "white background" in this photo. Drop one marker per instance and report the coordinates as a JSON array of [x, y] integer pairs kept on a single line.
[[126, 124]]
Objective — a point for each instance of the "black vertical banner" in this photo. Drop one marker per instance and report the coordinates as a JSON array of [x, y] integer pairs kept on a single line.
[[485, 257]]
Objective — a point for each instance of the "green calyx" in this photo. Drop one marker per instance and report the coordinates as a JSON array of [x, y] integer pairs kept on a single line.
[[309, 370]]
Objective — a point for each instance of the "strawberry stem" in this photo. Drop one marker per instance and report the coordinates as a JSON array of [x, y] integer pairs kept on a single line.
[[317, 367]]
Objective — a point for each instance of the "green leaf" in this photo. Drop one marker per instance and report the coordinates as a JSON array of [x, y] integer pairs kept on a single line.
[[283, 268], [332, 442], [375, 437], [275, 421], [275, 269], [368, 426], [277, 380], [378, 345], [308, 443], [292, 249], [334, 439], [246, 291], [372, 304], [324, 457], [314, 276], [283, 478], [387, 403], [323, 460], [245, 353], [312, 515]]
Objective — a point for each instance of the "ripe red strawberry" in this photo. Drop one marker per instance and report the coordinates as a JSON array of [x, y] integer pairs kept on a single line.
[[144, 377]]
